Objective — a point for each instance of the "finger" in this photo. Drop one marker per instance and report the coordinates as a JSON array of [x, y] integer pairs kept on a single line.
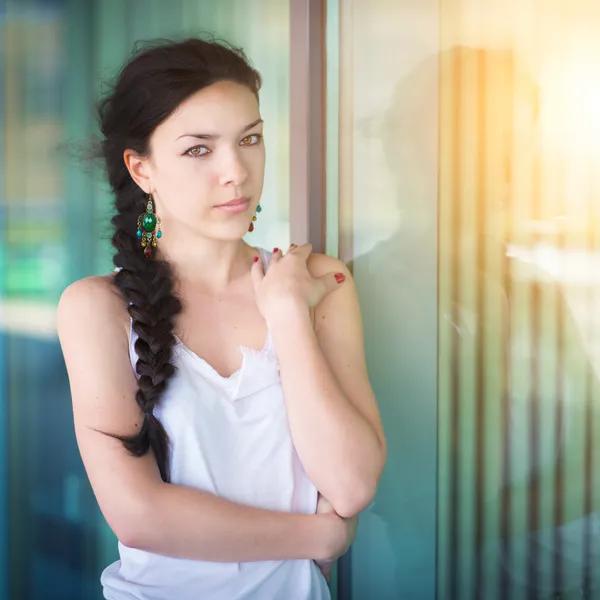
[[304, 250], [332, 281], [276, 255], [257, 271]]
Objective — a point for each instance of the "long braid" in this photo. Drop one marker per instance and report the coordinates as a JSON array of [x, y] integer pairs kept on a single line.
[[147, 285]]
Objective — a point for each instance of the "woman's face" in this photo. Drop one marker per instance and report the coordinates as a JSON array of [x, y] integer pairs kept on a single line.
[[208, 153]]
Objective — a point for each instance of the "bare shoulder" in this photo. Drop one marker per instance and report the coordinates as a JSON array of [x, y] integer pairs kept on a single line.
[[340, 308], [321, 264], [90, 301], [93, 326]]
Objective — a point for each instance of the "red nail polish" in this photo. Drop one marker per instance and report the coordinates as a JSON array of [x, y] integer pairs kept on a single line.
[[340, 277], [256, 259], [275, 250]]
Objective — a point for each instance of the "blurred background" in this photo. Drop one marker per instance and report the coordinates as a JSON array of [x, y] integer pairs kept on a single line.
[[459, 181]]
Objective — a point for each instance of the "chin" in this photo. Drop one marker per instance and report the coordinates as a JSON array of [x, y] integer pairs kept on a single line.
[[229, 232]]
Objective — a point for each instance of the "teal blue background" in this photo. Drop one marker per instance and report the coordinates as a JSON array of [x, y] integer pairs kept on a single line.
[[397, 209]]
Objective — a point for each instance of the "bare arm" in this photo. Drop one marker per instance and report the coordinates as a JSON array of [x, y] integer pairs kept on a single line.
[[142, 510], [332, 410]]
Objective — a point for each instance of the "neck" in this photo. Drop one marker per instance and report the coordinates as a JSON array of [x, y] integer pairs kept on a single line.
[[212, 264]]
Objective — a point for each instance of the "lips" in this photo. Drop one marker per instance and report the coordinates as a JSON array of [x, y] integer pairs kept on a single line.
[[236, 201], [235, 206]]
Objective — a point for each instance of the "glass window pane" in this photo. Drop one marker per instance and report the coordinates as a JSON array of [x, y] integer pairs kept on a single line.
[[55, 57], [518, 301], [468, 208]]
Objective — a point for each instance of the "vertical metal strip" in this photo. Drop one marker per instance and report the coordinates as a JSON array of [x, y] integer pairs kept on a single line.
[[346, 128], [307, 122], [332, 127]]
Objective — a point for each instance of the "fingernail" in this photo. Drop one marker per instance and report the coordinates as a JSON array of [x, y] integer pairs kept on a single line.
[[256, 259], [275, 250], [340, 277]]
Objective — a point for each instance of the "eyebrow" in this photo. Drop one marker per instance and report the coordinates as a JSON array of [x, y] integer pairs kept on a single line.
[[214, 136]]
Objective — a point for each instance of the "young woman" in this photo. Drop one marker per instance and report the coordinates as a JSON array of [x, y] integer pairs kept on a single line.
[[217, 388]]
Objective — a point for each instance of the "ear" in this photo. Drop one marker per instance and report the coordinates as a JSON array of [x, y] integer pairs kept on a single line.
[[139, 169]]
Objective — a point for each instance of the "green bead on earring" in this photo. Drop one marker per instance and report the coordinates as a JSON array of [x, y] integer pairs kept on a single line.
[[149, 228], [254, 217]]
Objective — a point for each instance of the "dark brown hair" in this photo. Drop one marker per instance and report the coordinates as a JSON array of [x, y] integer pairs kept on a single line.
[[153, 83]]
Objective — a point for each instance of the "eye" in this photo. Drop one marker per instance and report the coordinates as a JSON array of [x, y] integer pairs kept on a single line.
[[251, 140], [197, 151]]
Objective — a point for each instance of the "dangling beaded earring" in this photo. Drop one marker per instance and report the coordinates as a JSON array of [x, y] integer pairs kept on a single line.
[[258, 209], [149, 228]]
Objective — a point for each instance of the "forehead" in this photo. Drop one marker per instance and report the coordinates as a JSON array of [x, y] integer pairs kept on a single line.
[[221, 108]]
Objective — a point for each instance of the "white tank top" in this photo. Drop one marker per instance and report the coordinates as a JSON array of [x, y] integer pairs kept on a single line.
[[230, 437]]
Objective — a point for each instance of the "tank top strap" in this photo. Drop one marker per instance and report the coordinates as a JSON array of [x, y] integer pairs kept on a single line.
[[265, 257]]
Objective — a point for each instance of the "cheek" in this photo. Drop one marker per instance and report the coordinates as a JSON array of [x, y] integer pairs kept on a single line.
[[189, 176], [184, 185], [170, 171], [256, 163]]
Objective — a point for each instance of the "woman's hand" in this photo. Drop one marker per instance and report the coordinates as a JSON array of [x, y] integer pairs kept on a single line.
[[324, 507], [288, 284]]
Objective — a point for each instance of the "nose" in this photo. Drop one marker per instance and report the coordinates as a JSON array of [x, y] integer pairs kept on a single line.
[[233, 171]]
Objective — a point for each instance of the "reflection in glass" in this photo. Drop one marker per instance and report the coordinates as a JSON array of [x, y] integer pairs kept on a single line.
[[473, 228]]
